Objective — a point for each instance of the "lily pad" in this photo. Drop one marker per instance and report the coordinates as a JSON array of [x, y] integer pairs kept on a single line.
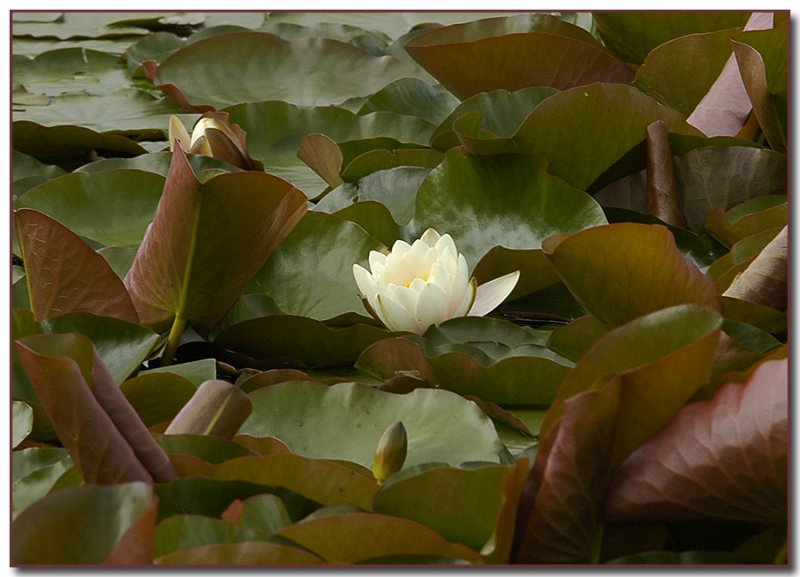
[[111, 207], [509, 201], [496, 54], [460, 504], [739, 173], [71, 71], [413, 97], [69, 146], [345, 421], [488, 358], [275, 130], [311, 273], [622, 271], [633, 34], [34, 472], [79, 516], [581, 144], [680, 72], [227, 69], [282, 340]]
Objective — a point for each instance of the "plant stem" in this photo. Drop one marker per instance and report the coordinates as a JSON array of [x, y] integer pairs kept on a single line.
[[173, 340]]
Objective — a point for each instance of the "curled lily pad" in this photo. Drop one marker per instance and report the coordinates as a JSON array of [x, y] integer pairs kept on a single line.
[[739, 173]]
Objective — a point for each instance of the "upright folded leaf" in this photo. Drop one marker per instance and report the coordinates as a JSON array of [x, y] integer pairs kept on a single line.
[[217, 408], [64, 275], [765, 280], [100, 429], [207, 241]]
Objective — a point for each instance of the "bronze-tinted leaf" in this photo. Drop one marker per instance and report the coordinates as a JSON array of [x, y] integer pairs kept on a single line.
[[625, 270], [64, 275], [765, 280], [217, 408], [94, 421], [726, 458], [191, 265]]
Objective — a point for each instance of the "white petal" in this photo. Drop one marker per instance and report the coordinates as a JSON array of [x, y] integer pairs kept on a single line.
[[367, 285], [459, 288], [445, 245], [394, 316], [376, 257], [430, 237], [468, 299], [365, 281], [492, 293], [431, 307], [400, 247]]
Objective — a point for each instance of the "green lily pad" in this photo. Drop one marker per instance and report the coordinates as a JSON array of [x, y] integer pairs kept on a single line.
[[323, 481], [214, 71], [127, 112], [25, 166], [487, 55], [250, 553], [375, 218], [69, 146], [633, 35], [581, 144], [509, 201], [71, 71], [460, 504], [311, 273], [282, 340], [288, 124], [502, 113], [344, 421], [34, 472], [622, 271], [184, 532], [396, 188], [79, 517], [488, 358], [157, 397], [112, 207], [21, 422], [364, 537], [680, 72], [413, 97]]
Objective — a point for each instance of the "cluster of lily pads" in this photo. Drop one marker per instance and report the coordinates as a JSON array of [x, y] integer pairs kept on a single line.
[[199, 378]]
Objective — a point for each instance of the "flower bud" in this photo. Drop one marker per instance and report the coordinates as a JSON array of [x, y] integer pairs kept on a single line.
[[391, 452]]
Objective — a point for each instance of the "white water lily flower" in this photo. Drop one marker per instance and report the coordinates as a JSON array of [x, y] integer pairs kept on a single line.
[[426, 283]]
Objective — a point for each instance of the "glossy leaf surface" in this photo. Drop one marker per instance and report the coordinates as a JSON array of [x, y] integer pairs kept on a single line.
[[345, 421], [180, 265]]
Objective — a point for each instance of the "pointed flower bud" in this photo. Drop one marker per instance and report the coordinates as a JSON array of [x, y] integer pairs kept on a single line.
[[391, 452], [213, 136], [426, 283]]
